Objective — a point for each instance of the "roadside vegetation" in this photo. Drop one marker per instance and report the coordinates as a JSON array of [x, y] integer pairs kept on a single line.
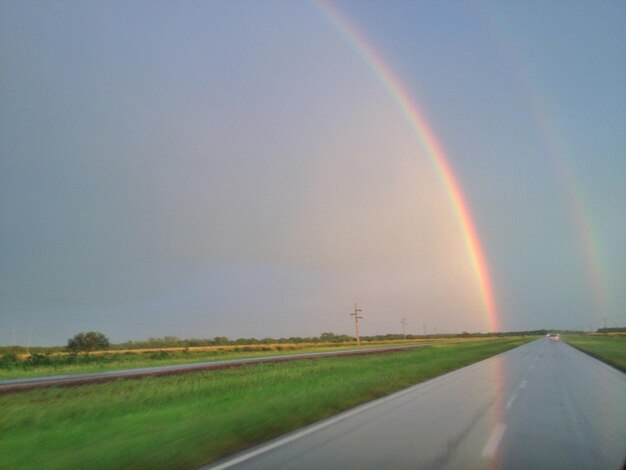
[[91, 352], [609, 347], [185, 421]]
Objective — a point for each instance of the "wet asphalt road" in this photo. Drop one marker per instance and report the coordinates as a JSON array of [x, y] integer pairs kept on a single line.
[[544, 405]]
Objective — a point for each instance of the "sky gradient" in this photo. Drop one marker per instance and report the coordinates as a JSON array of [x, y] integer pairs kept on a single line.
[[240, 169]]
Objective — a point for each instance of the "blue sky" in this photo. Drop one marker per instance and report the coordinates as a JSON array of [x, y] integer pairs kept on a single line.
[[236, 169]]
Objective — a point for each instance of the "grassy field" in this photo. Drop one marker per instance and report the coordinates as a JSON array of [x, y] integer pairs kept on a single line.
[[189, 420], [608, 348], [39, 365]]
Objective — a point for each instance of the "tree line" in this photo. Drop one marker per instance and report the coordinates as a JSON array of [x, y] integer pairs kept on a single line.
[[86, 342]]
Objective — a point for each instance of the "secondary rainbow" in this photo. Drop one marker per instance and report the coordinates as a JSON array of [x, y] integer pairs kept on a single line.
[[566, 178], [435, 152]]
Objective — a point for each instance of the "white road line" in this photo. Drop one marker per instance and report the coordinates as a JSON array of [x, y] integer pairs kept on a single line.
[[494, 441], [510, 402], [523, 384]]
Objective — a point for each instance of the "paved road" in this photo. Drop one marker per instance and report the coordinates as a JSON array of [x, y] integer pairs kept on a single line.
[[544, 405], [19, 385]]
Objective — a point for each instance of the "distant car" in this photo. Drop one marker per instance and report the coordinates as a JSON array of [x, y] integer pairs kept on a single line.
[[554, 337]]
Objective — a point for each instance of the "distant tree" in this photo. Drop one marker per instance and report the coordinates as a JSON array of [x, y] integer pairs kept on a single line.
[[327, 336], [90, 341], [612, 330]]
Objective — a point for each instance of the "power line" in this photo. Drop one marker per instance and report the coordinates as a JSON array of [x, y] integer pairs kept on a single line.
[[356, 322]]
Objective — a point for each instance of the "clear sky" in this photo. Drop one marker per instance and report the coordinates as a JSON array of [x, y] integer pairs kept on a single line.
[[201, 169]]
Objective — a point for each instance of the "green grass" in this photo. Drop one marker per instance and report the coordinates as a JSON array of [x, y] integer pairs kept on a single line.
[[189, 420], [132, 360], [607, 348]]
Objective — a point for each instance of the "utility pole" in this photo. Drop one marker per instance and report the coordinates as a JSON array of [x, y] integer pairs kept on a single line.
[[424, 330], [356, 323], [403, 328], [30, 331], [605, 319]]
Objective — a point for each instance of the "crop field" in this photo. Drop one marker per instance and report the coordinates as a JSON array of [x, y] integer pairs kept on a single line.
[[185, 421], [38, 365], [608, 348]]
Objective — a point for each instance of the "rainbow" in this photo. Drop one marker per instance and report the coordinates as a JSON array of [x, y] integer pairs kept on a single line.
[[574, 198], [435, 152], [567, 180]]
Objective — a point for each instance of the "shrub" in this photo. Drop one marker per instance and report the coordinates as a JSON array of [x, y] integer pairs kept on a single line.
[[36, 360], [9, 360], [160, 355]]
